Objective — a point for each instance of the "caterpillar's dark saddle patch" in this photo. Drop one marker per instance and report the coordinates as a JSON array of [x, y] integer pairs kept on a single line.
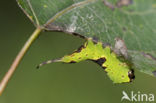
[[100, 61]]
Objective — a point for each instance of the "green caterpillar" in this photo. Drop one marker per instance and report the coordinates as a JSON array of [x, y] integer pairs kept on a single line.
[[117, 70]]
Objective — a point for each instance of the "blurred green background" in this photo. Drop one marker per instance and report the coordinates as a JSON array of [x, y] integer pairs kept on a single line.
[[83, 82]]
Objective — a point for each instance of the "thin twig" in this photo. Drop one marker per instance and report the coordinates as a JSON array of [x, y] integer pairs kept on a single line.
[[17, 60]]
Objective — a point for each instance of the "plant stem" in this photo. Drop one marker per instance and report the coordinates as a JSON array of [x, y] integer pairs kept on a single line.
[[18, 59]]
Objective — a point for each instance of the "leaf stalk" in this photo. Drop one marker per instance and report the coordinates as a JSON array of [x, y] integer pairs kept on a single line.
[[18, 59]]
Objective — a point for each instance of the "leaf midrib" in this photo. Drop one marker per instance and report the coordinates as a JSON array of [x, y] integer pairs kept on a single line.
[[60, 13]]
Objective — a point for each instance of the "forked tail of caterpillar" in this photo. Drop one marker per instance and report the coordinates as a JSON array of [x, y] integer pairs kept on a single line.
[[48, 62]]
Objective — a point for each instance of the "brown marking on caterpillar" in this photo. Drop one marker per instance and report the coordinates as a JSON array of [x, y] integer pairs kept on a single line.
[[72, 61], [79, 49], [104, 68], [72, 55], [123, 76], [100, 61], [131, 75], [79, 58]]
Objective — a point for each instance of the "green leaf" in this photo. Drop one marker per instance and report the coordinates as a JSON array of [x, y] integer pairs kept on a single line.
[[135, 23]]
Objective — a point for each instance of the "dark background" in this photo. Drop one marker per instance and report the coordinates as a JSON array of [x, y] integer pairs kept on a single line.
[[83, 82]]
